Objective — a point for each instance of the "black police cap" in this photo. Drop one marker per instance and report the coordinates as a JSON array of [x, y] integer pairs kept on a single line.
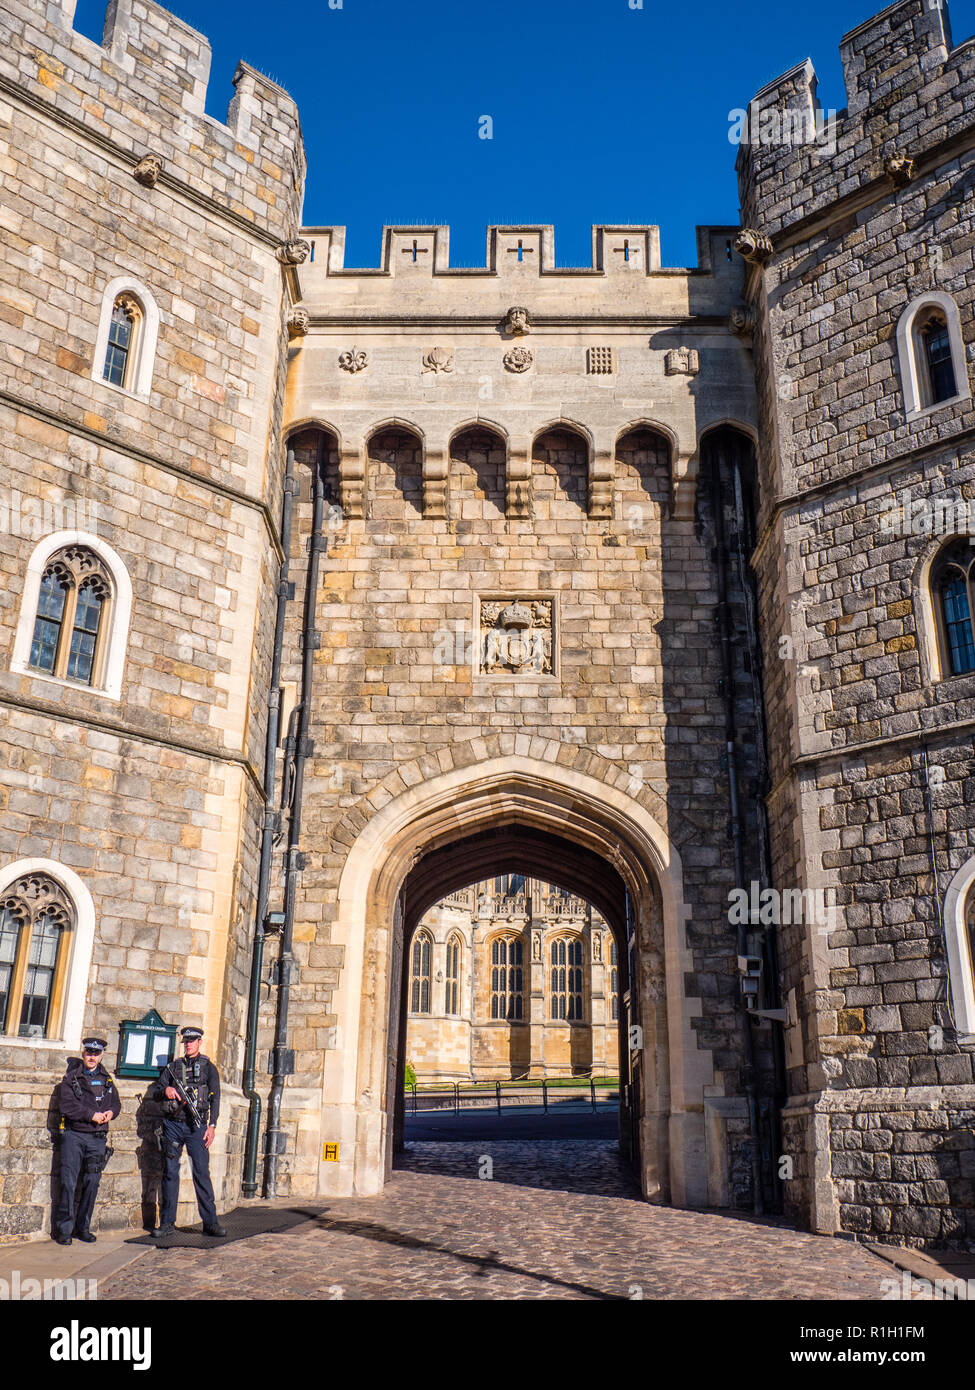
[[188, 1034], [93, 1044]]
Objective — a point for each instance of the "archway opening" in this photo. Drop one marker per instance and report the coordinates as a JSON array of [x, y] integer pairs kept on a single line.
[[514, 1000]]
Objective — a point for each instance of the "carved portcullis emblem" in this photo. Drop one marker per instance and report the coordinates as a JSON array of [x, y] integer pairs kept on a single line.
[[355, 360], [516, 637], [438, 359], [519, 359]]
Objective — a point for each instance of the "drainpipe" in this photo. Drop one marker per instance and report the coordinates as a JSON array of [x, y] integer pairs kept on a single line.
[[271, 824], [283, 1063], [727, 683]]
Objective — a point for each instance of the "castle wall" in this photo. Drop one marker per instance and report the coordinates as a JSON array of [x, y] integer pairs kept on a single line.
[[581, 495]]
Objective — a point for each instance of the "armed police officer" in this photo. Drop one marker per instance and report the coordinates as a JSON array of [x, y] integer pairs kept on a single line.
[[190, 1090], [89, 1102]]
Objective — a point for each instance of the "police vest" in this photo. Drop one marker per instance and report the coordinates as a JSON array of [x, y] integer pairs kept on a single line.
[[192, 1073]]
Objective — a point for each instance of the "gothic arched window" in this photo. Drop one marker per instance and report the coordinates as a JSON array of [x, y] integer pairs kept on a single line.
[[36, 918], [936, 373], [452, 993], [953, 588], [614, 979], [124, 334], [72, 616], [420, 974], [931, 353], [506, 979], [567, 980]]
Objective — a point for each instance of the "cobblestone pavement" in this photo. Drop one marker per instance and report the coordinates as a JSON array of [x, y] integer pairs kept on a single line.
[[556, 1221]]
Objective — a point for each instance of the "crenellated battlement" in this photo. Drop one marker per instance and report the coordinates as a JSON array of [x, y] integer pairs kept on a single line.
[[909, 91], [624, 272], [144, 90]]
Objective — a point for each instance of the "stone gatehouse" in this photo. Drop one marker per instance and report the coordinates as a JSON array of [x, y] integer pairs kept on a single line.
[[328, 592]]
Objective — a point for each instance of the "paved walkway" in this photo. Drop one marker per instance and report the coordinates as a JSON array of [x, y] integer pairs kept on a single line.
[[554, 1221]]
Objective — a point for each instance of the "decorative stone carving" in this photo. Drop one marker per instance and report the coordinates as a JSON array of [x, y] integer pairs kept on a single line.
[[516, 322], [600, 361], [298, 321], [753, 246], [519, 359], [438, 359], [294, 252], [355, 360], [682, 361], [899, 168], [741, 320], [516, 637], [147, 170], [536, 945], [597, 946]]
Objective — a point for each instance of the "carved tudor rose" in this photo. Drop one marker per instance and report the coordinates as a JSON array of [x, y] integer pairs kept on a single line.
[[438, 359], [294, 252], [147, 170], [298, 321], [682, 361], [355, 360], [753, 246], [899, 168], [516, 637], [516, 322], [519, 359]]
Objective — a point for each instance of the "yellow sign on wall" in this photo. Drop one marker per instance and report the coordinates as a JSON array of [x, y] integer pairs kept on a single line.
[[330, 1153]]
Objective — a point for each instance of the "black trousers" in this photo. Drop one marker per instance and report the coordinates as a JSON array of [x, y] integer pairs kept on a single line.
[[75, 1148], [175, 1134]]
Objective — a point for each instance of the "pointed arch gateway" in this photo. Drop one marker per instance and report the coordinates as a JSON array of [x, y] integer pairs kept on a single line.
[[428, 839]]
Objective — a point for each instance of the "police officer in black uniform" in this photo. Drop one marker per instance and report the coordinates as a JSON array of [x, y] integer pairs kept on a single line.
[[88, 1101], [201, 1082]]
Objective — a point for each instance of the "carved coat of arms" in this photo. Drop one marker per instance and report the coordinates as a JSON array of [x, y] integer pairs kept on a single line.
[[516, 637]]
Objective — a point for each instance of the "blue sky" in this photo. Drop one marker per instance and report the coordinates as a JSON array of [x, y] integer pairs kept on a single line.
[[601, 113]]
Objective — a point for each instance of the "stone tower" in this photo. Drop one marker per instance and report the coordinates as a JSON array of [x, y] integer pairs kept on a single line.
[[859, 240], [143, 347]]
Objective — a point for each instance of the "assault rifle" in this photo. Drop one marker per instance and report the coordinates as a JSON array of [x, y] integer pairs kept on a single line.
[[183, 1094]]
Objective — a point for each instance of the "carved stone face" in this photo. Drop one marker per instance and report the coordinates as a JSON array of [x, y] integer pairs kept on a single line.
[[516, 321]]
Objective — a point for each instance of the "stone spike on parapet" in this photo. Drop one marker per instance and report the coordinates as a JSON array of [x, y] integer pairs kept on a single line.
[[422, 250], [908, 91], [902, 44], [520, 251], [264, 117], [626, 250], [157, 47]]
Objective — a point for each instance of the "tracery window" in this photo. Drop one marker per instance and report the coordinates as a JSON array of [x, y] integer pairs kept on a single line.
[[567, 980], [36, 919], [614, 979], [507, 979], [953, 588], [452, 992], [73, 616], [420, 974]]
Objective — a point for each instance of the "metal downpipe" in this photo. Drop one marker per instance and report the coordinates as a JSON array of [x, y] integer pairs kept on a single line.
[[316, 544], [249, 1184]]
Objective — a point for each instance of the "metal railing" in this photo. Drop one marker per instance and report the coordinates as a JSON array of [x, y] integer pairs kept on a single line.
[[440, 1096]]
